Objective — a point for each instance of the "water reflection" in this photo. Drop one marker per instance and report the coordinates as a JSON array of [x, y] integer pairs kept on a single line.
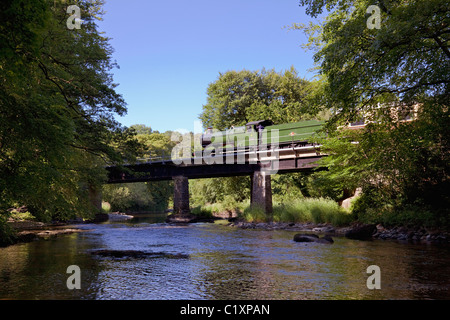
[[218, 262], [37, 270]]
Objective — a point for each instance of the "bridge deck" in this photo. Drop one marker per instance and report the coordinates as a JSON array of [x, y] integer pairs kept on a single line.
[[236, 164]]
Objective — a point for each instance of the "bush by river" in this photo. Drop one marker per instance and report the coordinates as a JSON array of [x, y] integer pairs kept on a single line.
[[315, 210]]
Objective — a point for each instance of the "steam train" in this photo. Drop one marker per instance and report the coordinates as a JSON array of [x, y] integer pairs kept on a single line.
[[263, 135]]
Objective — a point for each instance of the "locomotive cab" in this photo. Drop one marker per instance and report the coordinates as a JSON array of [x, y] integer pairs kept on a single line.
[[258, 126]]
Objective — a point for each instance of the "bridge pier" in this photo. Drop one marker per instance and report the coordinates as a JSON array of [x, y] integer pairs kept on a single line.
[[95, 198], [261, 193], [181, 208]]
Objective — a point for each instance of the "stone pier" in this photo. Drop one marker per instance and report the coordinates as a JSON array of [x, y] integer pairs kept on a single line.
[[261, 196], [181, 209], [95, 197]]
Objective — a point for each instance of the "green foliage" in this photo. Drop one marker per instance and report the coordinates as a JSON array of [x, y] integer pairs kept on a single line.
[[229, 191], [238, 97], [161, 193], [127, 197], [229, 205], [347, 165], [383, 75], [20, 216], [141, 129], [139, 196], [393, 166], [406, 60], [204, 212], [149, 196], [317, 210], [57, 107], [388, 216], [155, 145], [254, 214], [289, 186], [7, 234]]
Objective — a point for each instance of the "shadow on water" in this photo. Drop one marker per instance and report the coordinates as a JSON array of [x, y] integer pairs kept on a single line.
[[145, 258]]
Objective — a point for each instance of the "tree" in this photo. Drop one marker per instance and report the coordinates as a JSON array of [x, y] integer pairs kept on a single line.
[[386, 74], [238, 97], [57, 107], [143, 196], [141, 129], [155, 145], [405, 62]]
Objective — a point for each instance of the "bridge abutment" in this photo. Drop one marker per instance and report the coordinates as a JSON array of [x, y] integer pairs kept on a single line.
[[261, 193]]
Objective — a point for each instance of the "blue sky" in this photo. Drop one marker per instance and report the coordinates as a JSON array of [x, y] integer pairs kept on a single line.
[[170, 51]]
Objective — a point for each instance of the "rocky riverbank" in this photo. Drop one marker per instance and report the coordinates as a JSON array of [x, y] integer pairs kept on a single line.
[[28, 230], [417, 234], [355, 231]]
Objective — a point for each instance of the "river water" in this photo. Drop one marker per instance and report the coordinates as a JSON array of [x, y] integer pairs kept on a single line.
[[211, 261]]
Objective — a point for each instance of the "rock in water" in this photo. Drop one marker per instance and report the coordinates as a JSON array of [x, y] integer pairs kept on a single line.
[[300, 237], [328, 239], [180, 218], [361, 232]]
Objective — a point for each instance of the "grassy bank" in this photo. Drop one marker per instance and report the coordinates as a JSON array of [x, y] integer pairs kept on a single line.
[[316, 210], [221, 209]]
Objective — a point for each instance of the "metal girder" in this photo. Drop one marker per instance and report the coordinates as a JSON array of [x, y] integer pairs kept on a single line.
[[157, 171]]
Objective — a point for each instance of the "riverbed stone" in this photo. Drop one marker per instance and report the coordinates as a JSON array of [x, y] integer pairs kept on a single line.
[[181, 218], [301, 237], [361, 232], [326, 229]]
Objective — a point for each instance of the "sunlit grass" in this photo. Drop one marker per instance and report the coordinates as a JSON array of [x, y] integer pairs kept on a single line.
[[316, 210]]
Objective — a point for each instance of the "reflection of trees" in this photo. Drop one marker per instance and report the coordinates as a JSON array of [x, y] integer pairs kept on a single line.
[[37, 270], [263, 266], [229, 270], [268, 265], [345, 265], [407, 270]]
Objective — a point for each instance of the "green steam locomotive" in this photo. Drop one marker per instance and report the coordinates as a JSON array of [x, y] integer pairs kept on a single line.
[[263, 134]]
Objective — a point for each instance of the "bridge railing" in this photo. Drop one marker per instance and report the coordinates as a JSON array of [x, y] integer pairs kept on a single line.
[[155, 159], [297, 152]]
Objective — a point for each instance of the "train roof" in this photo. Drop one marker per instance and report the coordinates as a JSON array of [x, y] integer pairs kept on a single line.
[[261, 122]]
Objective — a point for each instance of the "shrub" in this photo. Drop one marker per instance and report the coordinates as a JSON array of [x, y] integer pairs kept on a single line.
[[254, 214], [202, 212], [7, 234], [317, 210]]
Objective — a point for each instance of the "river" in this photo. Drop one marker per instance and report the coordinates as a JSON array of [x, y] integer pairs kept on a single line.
[[212, 261]]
